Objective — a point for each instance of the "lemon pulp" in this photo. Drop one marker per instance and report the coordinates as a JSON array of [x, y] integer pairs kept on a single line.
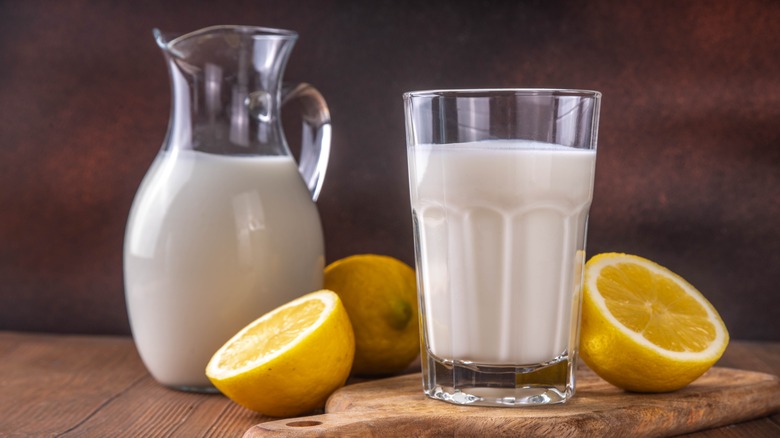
[[644, 328], [290, 360]]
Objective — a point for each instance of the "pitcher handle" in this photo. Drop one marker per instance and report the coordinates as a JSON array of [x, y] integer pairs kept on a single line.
[[315, 137]]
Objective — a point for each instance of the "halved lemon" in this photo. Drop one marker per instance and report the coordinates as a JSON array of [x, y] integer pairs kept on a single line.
[[290, 360], [644, 328]]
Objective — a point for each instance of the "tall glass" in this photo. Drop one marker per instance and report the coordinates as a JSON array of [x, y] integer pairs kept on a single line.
[[501, 183]]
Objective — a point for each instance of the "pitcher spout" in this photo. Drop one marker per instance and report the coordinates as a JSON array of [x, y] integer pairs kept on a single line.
[[161, 39], [226, 83], [164, 39]]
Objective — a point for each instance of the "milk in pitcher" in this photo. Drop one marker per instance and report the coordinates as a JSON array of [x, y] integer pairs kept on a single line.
[[205, 256]]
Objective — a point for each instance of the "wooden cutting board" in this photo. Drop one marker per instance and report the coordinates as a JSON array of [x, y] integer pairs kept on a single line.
[[397, 407]]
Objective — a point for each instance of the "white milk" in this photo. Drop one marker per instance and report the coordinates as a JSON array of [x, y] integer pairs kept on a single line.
[[214, 242], [499, 226]]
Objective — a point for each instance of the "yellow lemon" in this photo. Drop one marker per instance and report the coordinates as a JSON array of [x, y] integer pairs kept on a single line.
[[644, 328], [290, 360], [380, 295]]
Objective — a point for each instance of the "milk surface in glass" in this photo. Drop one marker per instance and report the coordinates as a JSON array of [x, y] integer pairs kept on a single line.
[[236, 241], [500, 230]]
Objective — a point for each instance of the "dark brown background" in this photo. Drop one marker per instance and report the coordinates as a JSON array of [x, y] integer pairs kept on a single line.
[[688, 171]]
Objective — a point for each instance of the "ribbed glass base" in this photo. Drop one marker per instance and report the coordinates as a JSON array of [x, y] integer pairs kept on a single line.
[[466, 383]]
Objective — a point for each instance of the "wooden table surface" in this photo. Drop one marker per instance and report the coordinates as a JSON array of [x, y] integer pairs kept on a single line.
[[64, 385]]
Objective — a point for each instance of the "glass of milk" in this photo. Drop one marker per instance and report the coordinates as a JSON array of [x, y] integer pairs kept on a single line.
[[501, 182]]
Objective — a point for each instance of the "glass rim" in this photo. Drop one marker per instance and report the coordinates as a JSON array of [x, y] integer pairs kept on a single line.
[[500, 92], [170, 39]]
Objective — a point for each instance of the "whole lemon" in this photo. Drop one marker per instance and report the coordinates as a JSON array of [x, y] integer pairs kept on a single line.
[[380, 295]]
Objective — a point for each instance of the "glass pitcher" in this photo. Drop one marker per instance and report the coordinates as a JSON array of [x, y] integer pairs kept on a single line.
[[223, 227]]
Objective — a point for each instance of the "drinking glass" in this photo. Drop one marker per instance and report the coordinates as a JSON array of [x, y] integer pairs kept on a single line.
[[501, 182]]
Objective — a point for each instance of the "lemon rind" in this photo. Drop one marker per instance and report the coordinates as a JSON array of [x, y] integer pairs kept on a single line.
[[715, 348]]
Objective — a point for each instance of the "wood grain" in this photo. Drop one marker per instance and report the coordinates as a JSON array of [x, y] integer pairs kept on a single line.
[[97, 386], [396, 406], [62, 385]]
